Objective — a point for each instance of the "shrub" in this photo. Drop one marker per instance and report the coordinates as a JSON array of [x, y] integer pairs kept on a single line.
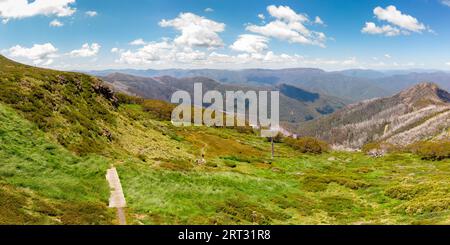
[[159, 109], [245, 130], [377, 149], [308, 145], [128, 99], [237, 159], [156, 108], [431, 150], [277, 139]]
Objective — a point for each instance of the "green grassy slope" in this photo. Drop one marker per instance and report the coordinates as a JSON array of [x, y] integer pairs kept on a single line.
[[42, 182], [240, 184], [75, 108], [59, 132]]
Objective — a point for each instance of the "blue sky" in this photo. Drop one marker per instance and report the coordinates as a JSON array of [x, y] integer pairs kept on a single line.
[[228, 34]]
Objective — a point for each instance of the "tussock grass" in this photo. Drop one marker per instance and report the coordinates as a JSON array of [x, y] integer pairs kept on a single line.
[[40, 179]]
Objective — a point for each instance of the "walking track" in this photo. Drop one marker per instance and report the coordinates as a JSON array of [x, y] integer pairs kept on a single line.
[[116, 199]]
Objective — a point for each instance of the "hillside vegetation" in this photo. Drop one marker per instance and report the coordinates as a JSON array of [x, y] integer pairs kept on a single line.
[[60, 132]]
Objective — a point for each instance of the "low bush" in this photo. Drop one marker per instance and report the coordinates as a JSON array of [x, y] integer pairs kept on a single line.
[[378, 149], [277, 139], [245, 130], [128, 99], [308, 145], [159, 109], [431, 150]]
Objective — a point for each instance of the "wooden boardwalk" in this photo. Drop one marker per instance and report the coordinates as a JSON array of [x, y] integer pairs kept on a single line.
[[116, 199]]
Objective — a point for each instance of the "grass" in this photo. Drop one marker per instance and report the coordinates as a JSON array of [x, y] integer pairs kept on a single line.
[[40, 179], [332, 188]]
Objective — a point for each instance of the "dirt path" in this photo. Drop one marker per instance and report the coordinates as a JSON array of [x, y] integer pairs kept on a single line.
[[116, 199]]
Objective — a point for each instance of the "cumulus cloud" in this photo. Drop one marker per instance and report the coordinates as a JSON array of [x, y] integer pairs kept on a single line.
[[18, 9], [289, 25], [396, 17], [448, 63], [115, 50], [398, 23], [446, 2], [138, 42], [56, 23], [209, 10], [319, 21], [387, 30], [196, 31], [166, 54], [86, 50], [151, 52], [39, 53], [271, 60], [250, 43], [91, 13], [285, 13], [261, 16]]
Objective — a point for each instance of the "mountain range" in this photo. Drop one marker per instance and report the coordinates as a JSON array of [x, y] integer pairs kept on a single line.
[[421, 112], [296, 104], [353, 85]]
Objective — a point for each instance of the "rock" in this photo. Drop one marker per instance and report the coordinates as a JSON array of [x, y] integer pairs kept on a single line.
[[276, 170], [200, 161], [377, 153]]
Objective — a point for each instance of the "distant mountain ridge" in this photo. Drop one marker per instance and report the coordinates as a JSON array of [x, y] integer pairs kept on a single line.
[[354, 85], [296, 104], [421, 112], [310, 79]]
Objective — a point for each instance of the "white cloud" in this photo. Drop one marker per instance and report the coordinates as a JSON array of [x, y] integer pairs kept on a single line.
[[448, 63], [148, 54], [48, 62], [250, 44], [209, 10], [254, 59], [196, 31], [388, 56], [114, 50], [387, 30], [86, 50], [396, 17], [446, 2], [399, 23], [289, 25], [91, 13], [285, 13], [18, 9], [56, 23], [39, 53], [138, 42], [319, 21], [261, 16], [166, 54]]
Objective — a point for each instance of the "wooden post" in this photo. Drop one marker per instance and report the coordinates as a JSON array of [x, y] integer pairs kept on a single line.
[[273, 147]]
